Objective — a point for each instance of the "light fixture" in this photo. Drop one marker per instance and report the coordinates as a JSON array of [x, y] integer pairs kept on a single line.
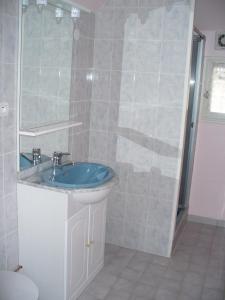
[[75, 14], [40, 4], [25, 4], [58, 14]]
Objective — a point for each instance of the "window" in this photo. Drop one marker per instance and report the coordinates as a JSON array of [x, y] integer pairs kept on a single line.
[[213, 106]]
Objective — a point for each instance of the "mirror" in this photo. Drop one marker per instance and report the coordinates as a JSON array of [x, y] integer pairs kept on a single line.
[[48, 35]]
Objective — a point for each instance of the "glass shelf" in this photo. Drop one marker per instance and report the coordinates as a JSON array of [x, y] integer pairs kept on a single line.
[[38, 131]]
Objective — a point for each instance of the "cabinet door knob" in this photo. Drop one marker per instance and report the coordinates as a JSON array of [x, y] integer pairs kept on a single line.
[[88, 245]]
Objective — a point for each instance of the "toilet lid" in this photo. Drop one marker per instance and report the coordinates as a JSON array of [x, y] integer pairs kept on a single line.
[[14, 286]]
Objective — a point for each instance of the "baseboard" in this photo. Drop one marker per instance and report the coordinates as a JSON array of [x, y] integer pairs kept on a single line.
[[208, 221]]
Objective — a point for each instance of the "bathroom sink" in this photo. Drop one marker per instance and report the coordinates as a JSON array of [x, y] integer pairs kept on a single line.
[[79, 176], [89, 182]]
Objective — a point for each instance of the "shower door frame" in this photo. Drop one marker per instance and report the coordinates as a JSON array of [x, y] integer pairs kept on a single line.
[[193, 133]]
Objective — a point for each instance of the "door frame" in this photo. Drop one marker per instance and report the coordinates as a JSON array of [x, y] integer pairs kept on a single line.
[[197, 100], [195, 119]]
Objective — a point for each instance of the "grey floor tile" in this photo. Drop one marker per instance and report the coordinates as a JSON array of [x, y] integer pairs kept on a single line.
[[216, 263], [159, 260], [144, 290], [192, 291], [143, 256], [118, 295], [114, 268], [193, 278], [135, 297], [174, 274], [157, 269], [181, 266], [130, 274], [137, 265], [193, 227], [86, 296], [96, 291], [105, 278], [150, 278], [197, 269], [213, 282], [123, 285], [125, 252], [163, 294], [185, 249], [170, 284], [186, 297], [211, 294], [112, 249], [180, 255], [200, 260]]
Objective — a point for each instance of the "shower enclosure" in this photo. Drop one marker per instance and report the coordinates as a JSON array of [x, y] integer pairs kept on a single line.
[[198, 44]]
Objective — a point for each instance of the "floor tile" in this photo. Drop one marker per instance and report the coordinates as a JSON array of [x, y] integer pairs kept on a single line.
[[137, 265], [195, 272], [170, 284], [194, 278], [123, 285], [117, 295], [164, 294], [144, 290], [151, 278], [211, 294], [130, 274], [192, 291], [174, 274]]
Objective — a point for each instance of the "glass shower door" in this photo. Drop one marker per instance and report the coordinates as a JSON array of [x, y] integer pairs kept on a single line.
[[191, 123]]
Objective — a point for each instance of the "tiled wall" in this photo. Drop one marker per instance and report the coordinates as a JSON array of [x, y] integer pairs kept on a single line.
[[8, 87], [136, 115]]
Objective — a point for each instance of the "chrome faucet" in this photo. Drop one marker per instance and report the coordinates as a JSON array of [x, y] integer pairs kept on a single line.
[[57, 158], [57, 162], [36, 155]]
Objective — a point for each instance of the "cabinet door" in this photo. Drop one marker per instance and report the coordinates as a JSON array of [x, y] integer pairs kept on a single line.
[[96, 236], [77, 252]]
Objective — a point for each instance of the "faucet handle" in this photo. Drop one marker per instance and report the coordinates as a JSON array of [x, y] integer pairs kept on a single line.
[[65, 153], [57, 157]]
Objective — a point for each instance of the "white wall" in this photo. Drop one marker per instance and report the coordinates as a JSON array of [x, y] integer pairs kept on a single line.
[[210, 15], [207, 198], [210, 43]]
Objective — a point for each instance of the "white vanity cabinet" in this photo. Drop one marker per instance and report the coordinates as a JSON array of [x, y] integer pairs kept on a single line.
[[61, 241], [86, 241]]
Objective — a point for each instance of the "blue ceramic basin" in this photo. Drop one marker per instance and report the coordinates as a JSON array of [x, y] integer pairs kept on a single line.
[[27, 160], [78, 176]]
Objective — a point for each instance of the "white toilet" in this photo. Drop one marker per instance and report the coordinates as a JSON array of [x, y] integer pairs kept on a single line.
[[14, 286]]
